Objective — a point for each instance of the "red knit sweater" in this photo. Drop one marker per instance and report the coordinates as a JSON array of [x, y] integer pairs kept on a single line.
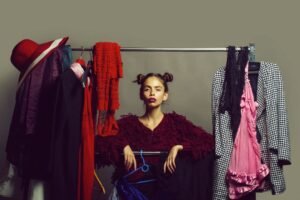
[[173, 129]]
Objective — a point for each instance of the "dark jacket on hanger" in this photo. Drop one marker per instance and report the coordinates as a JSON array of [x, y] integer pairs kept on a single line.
[[272, 124], [66, 137], [30, 129]]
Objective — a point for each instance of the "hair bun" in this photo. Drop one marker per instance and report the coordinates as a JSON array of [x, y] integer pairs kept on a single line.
[[168, 77], [139, 78]]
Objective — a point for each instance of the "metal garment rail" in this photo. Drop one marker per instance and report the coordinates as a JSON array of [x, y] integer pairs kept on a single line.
[[149, 153], [146, 153], [146, 49]]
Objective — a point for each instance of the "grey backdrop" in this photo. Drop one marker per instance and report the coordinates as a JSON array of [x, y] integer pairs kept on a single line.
[[272, 25]]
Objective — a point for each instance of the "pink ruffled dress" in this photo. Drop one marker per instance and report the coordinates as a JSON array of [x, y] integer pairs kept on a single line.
[[246, 172]]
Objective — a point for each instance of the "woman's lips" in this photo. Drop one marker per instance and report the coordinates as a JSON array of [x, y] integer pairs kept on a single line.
[[151, 100]]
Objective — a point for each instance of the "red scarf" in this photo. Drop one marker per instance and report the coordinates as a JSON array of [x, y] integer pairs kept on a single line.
[[108, 69]]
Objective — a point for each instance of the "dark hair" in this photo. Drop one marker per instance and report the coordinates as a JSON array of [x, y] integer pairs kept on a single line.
[[165, 78]]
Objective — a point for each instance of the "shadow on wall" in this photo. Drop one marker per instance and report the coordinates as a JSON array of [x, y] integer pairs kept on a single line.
[[7, 103]]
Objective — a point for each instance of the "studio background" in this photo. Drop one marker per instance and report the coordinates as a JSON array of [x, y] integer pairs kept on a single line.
[[272, 25]]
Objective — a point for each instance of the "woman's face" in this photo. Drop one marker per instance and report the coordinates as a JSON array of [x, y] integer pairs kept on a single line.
[[153, 93]]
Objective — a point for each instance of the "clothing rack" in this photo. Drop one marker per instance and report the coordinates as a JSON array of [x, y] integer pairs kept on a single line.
[[147, 49]]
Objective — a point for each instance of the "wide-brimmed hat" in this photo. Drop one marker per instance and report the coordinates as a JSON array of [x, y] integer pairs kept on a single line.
[[27, 54]]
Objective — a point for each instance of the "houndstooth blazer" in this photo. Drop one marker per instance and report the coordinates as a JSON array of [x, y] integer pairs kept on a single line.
[[272, 124]]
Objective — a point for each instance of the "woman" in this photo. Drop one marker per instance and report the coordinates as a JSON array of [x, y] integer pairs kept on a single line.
[[155, 131]]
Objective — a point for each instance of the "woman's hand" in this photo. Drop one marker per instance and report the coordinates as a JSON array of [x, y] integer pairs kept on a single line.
[[170, 161], [129, 158]]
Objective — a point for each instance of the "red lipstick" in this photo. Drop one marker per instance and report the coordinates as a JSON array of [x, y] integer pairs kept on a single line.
[[151, 100]]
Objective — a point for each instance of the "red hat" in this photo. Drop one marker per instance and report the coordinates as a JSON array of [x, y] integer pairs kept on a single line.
[[27, 54]]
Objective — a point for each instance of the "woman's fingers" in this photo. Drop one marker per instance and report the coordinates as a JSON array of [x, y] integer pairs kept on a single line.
[[129, 158], [173, 164], [130, 161], [126, 160], [170, 165]]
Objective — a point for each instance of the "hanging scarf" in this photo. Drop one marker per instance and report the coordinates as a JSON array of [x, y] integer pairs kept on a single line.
[[233, 86], [108, 69]]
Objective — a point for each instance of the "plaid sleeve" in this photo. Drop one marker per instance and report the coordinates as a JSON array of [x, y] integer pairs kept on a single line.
[[284, 150], [215, 98]]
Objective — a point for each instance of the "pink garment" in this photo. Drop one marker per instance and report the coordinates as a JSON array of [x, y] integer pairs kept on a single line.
[[246, 172], [77, 69]]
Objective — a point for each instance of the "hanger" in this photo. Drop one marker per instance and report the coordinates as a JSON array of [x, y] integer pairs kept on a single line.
[[253, 65], [144, 168], [81, 60], [87, 77], [127, 189]]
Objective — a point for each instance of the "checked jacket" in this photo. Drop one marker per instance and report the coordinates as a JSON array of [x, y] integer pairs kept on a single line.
[[272, 124]]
